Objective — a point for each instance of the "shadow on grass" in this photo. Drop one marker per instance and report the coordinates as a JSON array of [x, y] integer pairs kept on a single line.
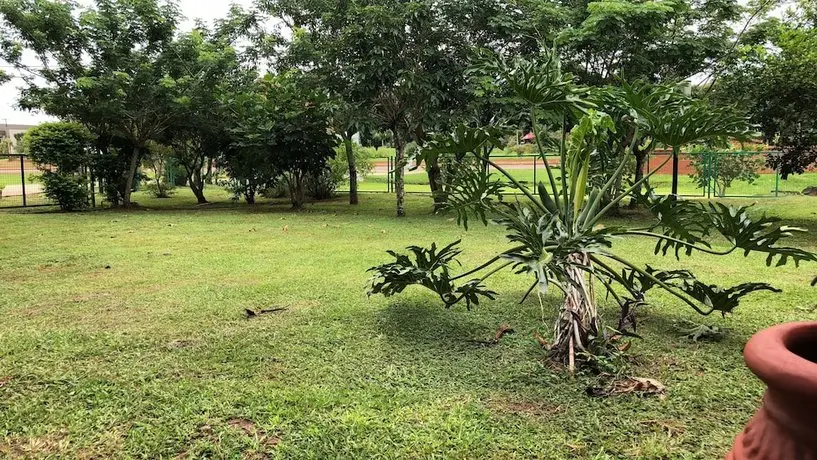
[[434, 326], [674, 327]]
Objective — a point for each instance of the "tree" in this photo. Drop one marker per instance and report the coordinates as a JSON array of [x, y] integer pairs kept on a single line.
[[157, 158], [203, 68], [65, 147], [773, 79], [282, 132], [5, 145], [320, 44], [398, 64], [657, 41], [557, 237], [99, 66]]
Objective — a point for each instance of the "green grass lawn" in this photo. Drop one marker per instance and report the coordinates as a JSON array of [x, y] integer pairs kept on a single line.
[[123, 335]]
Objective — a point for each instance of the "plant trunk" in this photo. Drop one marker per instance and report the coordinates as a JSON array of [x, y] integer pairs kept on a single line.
[[435, 183], [197, 185], [296, 190], [350, 159], [161, 192], [640, 163], [579, 320], [209, 176], [134, 163], [675, 171], [399, 165]]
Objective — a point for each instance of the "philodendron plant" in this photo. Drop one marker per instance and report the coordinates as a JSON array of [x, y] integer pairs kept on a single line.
[[556, 228]]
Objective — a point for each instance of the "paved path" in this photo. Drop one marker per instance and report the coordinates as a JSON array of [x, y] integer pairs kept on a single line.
[[17, 190]]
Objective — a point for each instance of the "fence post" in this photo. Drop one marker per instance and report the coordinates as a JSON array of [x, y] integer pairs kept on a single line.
[[23, 178]]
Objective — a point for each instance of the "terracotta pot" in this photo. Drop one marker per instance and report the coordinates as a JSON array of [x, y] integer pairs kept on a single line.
[[785, 358]]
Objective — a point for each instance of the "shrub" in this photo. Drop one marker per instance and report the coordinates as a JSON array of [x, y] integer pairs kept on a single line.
[[339, 166], [322, 185], [277, 190], [522, 149], [61, 144], [70, 192], [65, 146], [158, 159], [722, 169], [160, 189]]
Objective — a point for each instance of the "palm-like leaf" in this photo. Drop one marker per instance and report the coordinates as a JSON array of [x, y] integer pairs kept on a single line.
[[673, 119], [430, 269], [687, 226], [472, 191], [537, 82], [714, 298]]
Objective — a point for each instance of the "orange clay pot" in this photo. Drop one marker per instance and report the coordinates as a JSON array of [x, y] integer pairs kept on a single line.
[[785, 358]]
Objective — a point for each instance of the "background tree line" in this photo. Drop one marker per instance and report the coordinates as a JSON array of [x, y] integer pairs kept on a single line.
[[269, 94]]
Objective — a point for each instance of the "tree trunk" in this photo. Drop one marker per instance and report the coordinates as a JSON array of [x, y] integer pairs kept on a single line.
[[435, 183], [197, 184], [675, 171], [640, 163], [209, 175], [579, 319], [134, 164], [296, 190], [350, 159], [399, 165]]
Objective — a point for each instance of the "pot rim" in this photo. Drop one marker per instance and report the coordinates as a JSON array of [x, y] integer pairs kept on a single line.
[[768, 354]]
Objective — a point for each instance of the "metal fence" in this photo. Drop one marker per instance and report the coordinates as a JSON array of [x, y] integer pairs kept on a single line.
[[701, 174], [19, 186]]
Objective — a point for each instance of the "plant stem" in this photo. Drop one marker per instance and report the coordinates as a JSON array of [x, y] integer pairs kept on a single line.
[[488, 263], [522, 188], [663, 285], [554, 189], [626, 193], [489, 274], [676, 240]]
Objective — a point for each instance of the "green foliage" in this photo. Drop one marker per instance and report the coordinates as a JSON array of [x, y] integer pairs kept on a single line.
[[772, 76], [60, 144], [556, 227], [431, 269], [281, 132], [673, 119], [653, 40], [364, 165], [69, 191], [157, 159], [65, 146], [722, 169], [321, 185], [104, 66], [5, 145]]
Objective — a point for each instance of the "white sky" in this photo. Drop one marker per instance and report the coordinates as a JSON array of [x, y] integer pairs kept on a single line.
[[191, 9]]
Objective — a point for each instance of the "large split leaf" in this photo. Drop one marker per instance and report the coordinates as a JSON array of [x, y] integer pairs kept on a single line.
[[429, 268]]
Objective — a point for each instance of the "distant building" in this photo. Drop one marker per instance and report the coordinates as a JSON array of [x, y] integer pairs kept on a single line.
[[13, 132]]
